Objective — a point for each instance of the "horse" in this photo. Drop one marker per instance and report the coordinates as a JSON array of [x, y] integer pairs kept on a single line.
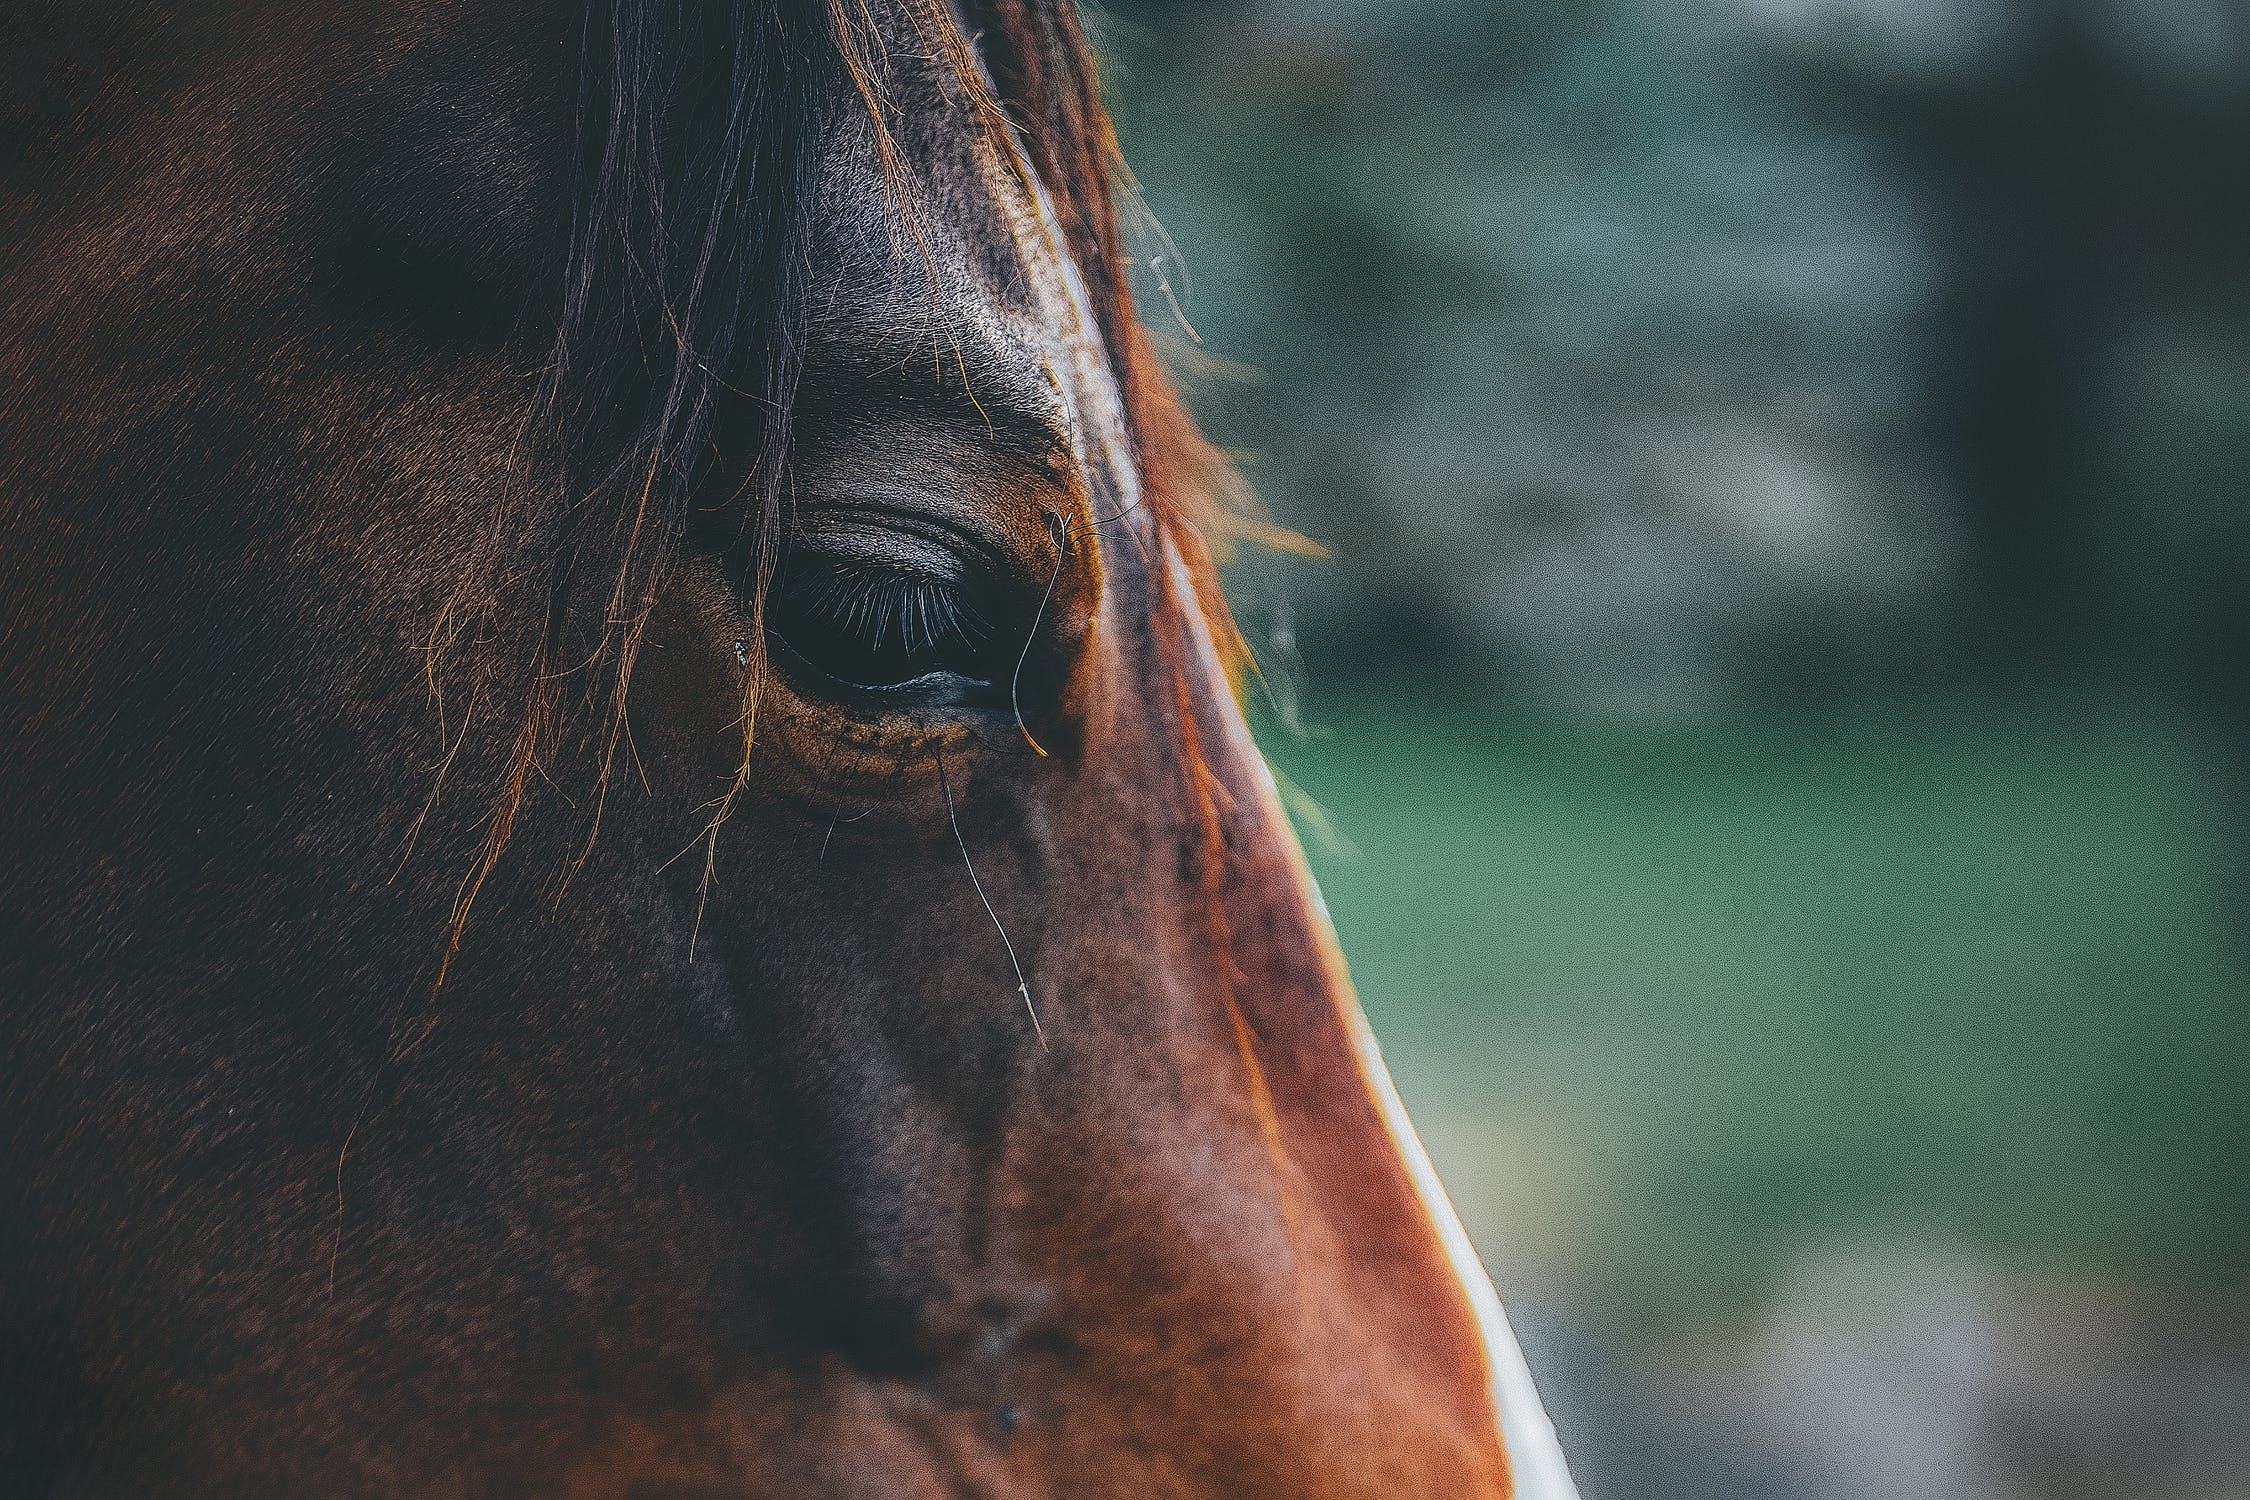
[[631, 865]]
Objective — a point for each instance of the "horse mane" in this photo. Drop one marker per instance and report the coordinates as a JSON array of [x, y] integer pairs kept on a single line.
[[669, 392]]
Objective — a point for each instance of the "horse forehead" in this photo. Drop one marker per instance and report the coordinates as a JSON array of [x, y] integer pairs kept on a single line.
[[960, 255]]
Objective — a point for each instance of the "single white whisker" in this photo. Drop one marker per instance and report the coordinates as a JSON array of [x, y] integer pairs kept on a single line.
[[1023, 984]]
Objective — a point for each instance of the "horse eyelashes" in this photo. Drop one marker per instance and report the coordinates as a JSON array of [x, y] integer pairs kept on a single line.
[[907, 614], [877, 627]]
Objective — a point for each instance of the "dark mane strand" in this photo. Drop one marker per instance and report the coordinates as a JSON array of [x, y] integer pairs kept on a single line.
[[666, 399]]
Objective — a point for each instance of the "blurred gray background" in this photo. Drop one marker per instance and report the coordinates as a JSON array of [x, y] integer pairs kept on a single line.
[[1771, 725]]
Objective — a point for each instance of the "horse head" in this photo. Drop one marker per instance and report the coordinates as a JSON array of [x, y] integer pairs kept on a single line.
[[635, 867]]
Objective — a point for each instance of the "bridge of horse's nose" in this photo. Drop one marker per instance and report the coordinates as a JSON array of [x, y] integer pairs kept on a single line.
[[1371, 1346]]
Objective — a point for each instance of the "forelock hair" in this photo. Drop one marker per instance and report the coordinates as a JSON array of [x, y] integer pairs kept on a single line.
[[674, 370], [669, 391]]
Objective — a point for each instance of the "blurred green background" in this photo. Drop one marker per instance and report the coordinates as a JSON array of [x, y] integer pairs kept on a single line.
[[1772, 728]]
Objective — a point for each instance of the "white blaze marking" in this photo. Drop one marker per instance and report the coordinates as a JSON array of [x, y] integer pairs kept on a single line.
[[1534, 1456]]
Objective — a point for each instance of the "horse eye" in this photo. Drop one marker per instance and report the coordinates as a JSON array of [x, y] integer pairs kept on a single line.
[[874, 627]]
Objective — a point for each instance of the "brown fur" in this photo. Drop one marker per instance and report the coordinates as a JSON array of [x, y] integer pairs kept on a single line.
[[477, 1024]]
